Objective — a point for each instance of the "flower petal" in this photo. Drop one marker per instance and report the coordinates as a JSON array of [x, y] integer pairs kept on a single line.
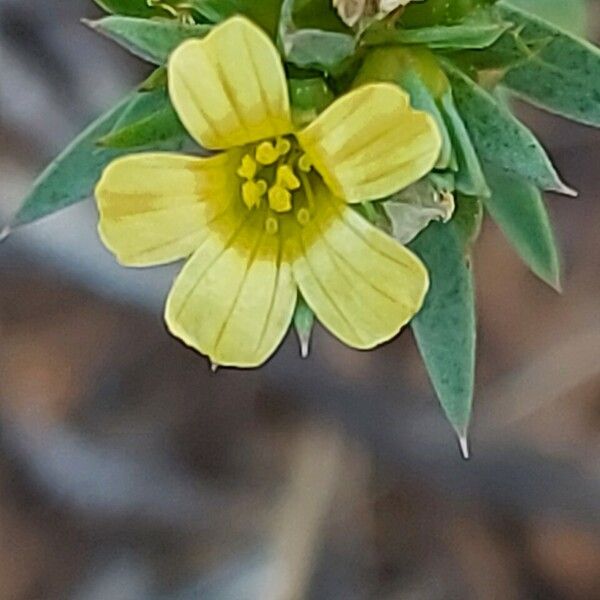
[[362, 285], [230, 89], [371, 143], [156, 208], [234, 299]]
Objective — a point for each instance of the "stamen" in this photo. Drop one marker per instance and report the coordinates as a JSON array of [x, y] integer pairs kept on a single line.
[[303, 216], [248, 168], [283, 146], [271, 225], [252, 192], [263, 186], [266, 153], [287, 179], [304, 163], [280, 200]]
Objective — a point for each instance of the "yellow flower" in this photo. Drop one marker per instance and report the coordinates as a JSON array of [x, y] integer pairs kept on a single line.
[[269, 215]]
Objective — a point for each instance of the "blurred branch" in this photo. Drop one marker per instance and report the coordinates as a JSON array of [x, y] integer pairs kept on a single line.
[[315, 474]]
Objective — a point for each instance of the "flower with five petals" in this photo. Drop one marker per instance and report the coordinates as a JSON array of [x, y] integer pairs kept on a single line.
[[270, 212]]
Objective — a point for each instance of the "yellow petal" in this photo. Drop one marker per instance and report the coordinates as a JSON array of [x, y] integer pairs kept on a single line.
[[230, 89], [235, 298], [371, 143], [362, 285], [155, 208]]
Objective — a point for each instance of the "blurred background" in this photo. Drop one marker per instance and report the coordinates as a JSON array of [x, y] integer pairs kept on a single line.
[[129, 472]]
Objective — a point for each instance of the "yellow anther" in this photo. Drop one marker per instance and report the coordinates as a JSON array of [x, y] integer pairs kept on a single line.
[[280, 200], [283, 146], [263, 186], [248, 168], [252, 192], [271, 225], [303, 216], [286, 178], [266, 153], [304, 164]]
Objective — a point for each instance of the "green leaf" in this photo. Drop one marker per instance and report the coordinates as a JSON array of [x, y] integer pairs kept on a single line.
[[130, 8], [445, 328], [422, 99], [478, 31], [151, 40], [562, 75], [304, 323], [499, 137], [571, 15], [71, 177], [519, 210], [307, 48], [469, 179], [160, 126]]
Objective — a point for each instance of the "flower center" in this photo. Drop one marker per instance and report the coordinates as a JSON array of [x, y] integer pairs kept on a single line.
[[274, 177]]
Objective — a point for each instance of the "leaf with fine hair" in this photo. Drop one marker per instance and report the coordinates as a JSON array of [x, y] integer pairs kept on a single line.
[[71, 177], [499, 137], [445, 329]]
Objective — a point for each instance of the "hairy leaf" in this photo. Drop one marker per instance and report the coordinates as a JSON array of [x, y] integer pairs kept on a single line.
[[71, 177], [499, 137], [561, 73], [445, 328]]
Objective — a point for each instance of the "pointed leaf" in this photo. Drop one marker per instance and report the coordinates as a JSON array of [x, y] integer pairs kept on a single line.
[[304, 323], [519, 210], [160, 126], [499, 137], [72, 175], [563, 76], [151, 40], [445, 327]]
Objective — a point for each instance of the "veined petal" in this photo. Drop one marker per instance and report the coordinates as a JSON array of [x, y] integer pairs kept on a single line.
[[230, 89], [157, 208], [362, 285], [371, 143], [234, 299]]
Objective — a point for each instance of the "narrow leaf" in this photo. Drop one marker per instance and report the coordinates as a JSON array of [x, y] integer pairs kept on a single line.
[[563, 76], [158, 127], [445, 328], [519, 210], [499, 137], [469, 179], [476, 32], [72, 175], [152, 40], [304, 323]]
